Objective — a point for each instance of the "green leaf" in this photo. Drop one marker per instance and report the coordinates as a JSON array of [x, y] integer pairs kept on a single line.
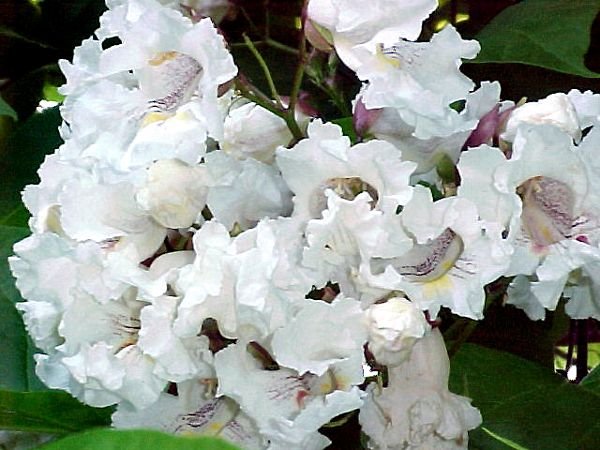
[[135, 440], [16, 353], [21, 156], [554, 34], [49, 412], [347, 126], [592, 380], [8, 236], [523, 403], [14, 367], [6, 110]]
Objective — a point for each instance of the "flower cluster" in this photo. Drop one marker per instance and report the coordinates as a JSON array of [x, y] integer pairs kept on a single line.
[[193, 264]]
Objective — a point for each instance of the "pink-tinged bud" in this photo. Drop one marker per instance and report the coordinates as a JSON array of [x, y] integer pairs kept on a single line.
[[486, 129], [363, 118]]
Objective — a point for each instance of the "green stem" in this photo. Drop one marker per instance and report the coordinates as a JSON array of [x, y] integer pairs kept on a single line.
[[265, 69], [249, 91], [294, 93], [268, 42], [279, 46]]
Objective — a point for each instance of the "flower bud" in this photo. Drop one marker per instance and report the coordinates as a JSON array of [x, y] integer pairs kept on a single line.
[[394, 327], [174, 193], [364, 118]]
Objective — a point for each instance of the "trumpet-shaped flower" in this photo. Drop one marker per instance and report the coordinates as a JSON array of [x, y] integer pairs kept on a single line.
[[420, 80], [454, 256], [384, 22], [416, 411], [326, 160]]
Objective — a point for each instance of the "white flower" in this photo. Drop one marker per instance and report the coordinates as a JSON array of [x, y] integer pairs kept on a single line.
[[545, 203], [348, 234], [326, 160], [394, 328], [250, 285], [416, 411], [384, 21], [174, 193], [245, 191], [328, 333], [420, 80], [587, 106], [53, 273], [194, 411], [252, 131], [556, 109], [110, 214], [287, 407], [215, 9], [446, 140], [455, 255]]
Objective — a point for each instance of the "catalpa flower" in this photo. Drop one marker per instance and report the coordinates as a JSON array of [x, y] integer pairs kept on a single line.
[[288, 407], [352, 25], [555, 219], [455, 254], [349, 233], [388, 125], [326, 160], [416, 411], [194, 410], [394, 327], [420, 80]]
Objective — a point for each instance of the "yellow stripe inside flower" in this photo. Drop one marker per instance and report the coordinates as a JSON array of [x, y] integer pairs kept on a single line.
[[426, 263]]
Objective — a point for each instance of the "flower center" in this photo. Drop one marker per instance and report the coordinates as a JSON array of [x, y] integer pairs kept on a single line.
[[347, 188], [426, 262], [547, 210]]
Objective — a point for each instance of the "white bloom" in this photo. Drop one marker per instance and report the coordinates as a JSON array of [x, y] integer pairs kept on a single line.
[[194, 411], [327, 160], [101, 374], [250, 285], [328, 333], [110, 214], [182, 136], [287, 407], [384, 21], [215, 9], [556, 109], [455, 255], [174, 193], [349, 233], [554, 218], [416, 411], [447, 140], [252, 131], [53, 273], [244, 192], [394, 328], [587, 106], [420, 80]]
